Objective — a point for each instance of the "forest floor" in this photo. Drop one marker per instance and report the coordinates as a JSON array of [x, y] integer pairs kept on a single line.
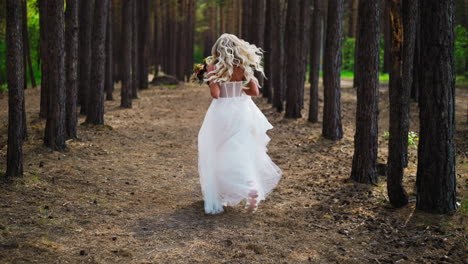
[[128, 192]]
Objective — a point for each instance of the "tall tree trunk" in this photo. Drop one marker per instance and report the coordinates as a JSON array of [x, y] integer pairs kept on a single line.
[[387, 37], [95, 113], [435, 180], [135, 49], [71, 39], [157, 37], [277, 52], [315, 48], [364, 168], [43, 24], [258, 29], [267, 92], [27, 49], [15, 79], [126, 90], [144, 43], [84, 51], [294, 72], [415, 87], [332, 128], [353, 17], [247, 20], [55, 126], [306, 6], [403, 14], [109, 82]]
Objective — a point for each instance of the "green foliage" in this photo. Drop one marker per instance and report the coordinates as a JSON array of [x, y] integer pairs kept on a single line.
[[348, 54], [3, 88], [461, 49], [412, 137]]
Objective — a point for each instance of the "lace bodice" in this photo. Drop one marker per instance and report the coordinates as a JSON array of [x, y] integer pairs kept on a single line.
[[230, 89]]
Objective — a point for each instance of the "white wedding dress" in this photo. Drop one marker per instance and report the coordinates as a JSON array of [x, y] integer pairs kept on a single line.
[[232, 153]]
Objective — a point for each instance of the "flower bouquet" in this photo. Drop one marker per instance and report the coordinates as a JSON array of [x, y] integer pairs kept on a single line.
[[199, 71]]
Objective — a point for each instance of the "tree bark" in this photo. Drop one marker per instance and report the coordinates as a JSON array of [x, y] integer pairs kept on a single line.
[[387, 37], [126, 90], [144, 43], [353, 17], [71, 38], [415, 87], [44, 105], [84, 51], [258, 29], [109, 82], [15, 79], [315, 48], [364, 168], [332, 127], [135, 49], [435, 180], [55, 125], [266, 91], [277, 52], [95, 113], [247, 20], [27, 49], [294, 72]]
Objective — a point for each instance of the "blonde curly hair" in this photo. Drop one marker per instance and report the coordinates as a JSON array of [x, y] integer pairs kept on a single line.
[[230, 51]]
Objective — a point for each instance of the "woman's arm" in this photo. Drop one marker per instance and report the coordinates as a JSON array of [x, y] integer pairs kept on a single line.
[[252, 90], [214, 86]]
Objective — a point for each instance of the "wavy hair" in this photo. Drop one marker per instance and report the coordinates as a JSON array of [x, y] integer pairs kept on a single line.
[[230, 51]]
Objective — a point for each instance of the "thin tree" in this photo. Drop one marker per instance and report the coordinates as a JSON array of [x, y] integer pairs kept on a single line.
[[135, 49], [435, 180], [15, 79], [54, 137], [277, 52], [126, 90], [95, 114], [144, 25], [257, 29], [315, 48], [332, 127], [109, 82], [84, 51], [365, 138], [71, 39], [247, 9], [27, 50], [269, 24]]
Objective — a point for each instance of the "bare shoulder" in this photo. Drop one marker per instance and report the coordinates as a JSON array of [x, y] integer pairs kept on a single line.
[[238, 73]]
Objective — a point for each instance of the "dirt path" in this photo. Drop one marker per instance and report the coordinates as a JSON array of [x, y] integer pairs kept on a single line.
[[129, 193]]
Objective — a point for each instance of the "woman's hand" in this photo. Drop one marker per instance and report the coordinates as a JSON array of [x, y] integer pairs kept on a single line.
[[252, 90]]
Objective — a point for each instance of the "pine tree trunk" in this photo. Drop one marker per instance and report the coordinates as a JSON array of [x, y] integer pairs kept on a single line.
[[315, 48], [332, 128], [95, 114], [84, 51], [267, 92], [306, 6], [71, 39], [353, 17], [15, 79], [126, 90], [364, 168], [135, 49], [435, 180], [415, 87], [27, 50], [44, 105], [247, 20], [277, 52], [387, 37], [156, 37], [55, 125], [144, 43], [109, 82], [258, 29]]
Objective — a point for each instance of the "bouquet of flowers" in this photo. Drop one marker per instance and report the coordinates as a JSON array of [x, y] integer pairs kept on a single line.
[[199, 71]]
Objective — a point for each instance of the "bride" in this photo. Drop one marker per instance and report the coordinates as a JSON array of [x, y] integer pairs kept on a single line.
[[233, 163]]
